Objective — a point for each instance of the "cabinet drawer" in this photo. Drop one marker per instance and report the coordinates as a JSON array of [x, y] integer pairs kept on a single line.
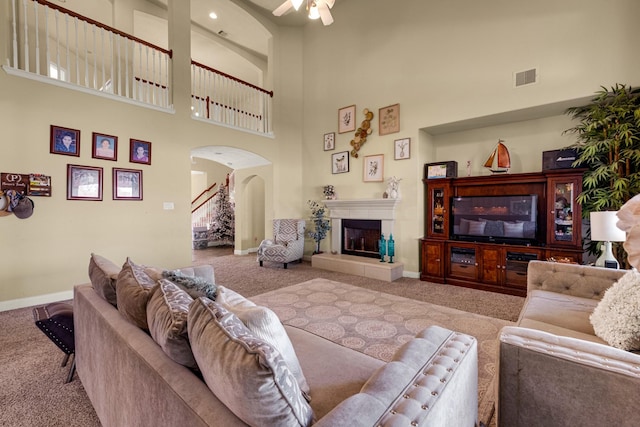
[[463, 270], [517, 279]]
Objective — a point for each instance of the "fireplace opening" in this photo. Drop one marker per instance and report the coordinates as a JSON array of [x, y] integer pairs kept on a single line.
[[361, 237]]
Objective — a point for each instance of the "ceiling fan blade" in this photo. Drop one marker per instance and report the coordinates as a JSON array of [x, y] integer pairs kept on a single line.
[[330, 3], [283, 8], [325, 14]]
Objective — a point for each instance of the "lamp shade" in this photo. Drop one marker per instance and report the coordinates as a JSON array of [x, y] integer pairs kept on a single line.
[[604, 227]]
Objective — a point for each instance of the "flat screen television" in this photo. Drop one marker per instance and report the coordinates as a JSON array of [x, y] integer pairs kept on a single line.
[[500, 219]]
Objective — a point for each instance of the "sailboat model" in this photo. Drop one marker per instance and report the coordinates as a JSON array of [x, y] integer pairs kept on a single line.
[[499, 160]]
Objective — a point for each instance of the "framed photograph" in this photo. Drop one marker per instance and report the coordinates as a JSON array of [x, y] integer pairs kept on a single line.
[[104, 146], [127, 184], [64, 141], [441, 170], [139, 151], [84, 183], [402, 149], [347, 119], [340, 162], [329, 141], [373, 168], [389, 118]]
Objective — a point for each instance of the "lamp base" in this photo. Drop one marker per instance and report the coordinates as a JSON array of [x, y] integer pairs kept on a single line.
[[607, 259]]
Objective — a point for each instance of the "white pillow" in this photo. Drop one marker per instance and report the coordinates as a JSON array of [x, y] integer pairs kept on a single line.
[[514, 229], [476, 228], [616, 319], [264, 324]]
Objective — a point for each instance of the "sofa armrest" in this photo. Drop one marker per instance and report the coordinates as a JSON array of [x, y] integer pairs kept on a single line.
[[546, 379], [432, 380], [572, 279]]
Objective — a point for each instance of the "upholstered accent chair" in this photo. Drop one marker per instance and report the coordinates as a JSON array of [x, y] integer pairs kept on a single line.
[[287, 244]]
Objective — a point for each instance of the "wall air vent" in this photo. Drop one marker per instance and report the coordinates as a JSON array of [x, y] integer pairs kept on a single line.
[[527, 77]]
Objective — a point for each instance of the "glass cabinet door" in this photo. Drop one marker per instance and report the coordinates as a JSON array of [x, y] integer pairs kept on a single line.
[[564, 222], [438, 217]]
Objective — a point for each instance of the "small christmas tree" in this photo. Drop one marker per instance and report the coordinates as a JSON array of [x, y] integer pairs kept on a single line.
[[222, 229]]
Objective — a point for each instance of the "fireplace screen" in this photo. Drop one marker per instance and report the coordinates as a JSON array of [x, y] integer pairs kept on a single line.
[[361, 237]]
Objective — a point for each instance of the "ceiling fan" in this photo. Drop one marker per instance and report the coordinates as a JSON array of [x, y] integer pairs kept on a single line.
[[317, 9]]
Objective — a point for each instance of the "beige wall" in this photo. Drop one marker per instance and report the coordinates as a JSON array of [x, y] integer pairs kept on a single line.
[[448, 63]]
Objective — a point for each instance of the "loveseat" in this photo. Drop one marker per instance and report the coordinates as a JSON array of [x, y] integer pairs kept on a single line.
[[132, 380], [554, 370]]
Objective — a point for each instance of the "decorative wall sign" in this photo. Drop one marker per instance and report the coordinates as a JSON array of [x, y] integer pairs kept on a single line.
[[104, 146], [84, 183], [373, 168], [340, 162], [127, 184], [14, 181], [139, 151], [389, 118], [347, 119], [64, 141], [329, 141], [402, 149]]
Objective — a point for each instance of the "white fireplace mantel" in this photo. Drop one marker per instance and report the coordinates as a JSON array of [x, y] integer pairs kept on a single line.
[[380, 209]]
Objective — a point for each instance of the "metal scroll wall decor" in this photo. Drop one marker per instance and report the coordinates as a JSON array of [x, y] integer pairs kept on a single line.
[[361, 133]]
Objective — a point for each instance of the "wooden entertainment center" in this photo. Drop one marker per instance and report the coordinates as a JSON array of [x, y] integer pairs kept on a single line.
[[500, 265]]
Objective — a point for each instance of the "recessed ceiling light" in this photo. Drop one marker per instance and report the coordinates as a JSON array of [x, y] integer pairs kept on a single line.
[[213, 15]]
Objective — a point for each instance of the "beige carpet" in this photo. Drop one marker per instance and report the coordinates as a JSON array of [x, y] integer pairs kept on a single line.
[[377, 323]]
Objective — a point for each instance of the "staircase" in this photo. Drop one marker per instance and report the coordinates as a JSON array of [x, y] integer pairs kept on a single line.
[[202, 209]]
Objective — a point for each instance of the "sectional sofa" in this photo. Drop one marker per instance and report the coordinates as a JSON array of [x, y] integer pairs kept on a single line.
[[134, 377]]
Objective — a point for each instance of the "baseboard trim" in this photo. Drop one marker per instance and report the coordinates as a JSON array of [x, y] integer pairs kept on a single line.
[[245, 251], [37, 300]]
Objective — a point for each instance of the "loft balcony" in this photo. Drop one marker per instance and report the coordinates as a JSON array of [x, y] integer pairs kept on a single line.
[[57, 46]]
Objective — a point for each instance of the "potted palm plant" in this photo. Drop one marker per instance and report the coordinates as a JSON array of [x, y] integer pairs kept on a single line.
[[321, 225], [608, 144]]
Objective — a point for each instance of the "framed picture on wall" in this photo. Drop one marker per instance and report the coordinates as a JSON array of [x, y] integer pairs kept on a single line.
[[340, 162], [402, 149], [84, 182], [347, 119], [139, 151], [329, 141], [64, 141], [104, 146], [389, 118], [373, 169], [127, 184]]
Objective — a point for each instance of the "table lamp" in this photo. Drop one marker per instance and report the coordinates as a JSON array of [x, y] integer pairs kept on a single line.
[[604, 229]]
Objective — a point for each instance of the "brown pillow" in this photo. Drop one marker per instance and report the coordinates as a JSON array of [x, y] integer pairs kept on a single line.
[[167, 311], [246, 373], [133, 289], [103, 274]]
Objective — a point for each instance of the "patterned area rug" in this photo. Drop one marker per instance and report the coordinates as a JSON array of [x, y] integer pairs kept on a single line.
[[377, 323]]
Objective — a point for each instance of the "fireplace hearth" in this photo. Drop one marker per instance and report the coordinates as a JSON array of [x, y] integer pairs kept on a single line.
[[361, 237]]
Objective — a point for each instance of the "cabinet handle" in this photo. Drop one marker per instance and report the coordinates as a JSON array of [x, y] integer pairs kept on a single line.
[[476, 264], [438, 260]]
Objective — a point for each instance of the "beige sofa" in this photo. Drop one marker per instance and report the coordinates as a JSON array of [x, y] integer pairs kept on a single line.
[[130, 381], [553, 369]]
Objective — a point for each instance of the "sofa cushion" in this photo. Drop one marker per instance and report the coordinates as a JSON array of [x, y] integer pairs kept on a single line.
[[616, 319], [513, 229], [246, 373], [566, 311], [476, 228], [133, 289], [104, 274], [167, 311], [266, 325]]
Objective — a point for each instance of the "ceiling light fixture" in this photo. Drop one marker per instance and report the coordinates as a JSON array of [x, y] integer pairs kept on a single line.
[[213, 15], [315, 8]]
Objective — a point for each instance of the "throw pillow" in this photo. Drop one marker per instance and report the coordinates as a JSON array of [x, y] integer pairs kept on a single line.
[[194, 286], [133, 289], [464, 226], [103, 275], [246, 373], [616, 318], [493, 228], [167, 311], [514, 229], [476, 228]]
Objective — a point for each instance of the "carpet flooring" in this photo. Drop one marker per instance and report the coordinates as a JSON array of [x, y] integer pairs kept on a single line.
[[33, 393]]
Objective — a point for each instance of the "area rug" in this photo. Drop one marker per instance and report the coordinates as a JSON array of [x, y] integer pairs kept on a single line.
[[377, 323]]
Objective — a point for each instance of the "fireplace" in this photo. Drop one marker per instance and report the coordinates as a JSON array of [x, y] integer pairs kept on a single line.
[[378, 211], [361, 237]]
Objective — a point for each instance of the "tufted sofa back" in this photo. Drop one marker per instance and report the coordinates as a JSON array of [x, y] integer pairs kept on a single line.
[[578, 280]]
